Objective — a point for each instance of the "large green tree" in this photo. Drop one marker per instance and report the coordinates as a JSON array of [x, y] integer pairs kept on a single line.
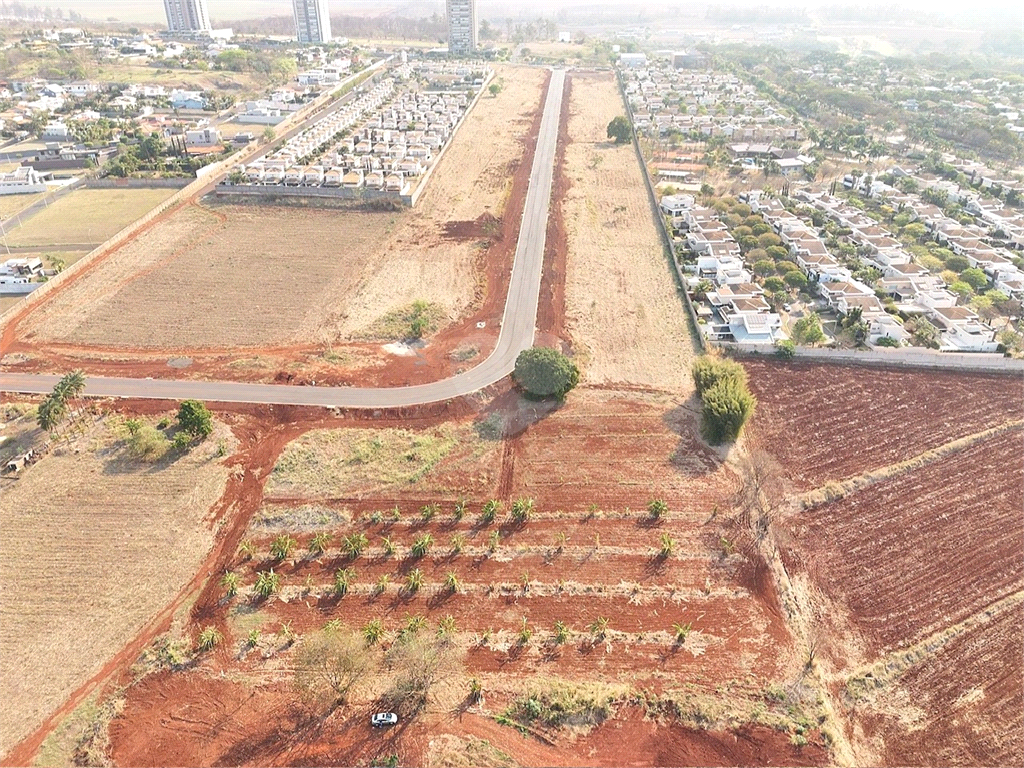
[[545, 372], [620, 130], [195, 418]]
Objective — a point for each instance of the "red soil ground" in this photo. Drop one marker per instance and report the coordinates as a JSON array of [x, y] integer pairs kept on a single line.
[[827, 422], [921, 551], [972, 696], [210, 721]]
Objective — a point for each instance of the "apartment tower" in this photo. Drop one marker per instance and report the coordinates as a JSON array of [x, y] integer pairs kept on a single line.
[[462, 27], [312, 21], [187, 15]]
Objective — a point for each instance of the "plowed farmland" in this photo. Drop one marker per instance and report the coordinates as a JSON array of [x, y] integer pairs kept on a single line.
[[907, 559], [599, 584], [962, 706], [962, 511], [828, 422]]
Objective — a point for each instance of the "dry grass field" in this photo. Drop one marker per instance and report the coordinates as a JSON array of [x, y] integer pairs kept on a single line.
[[249, 276], [94, 545], [86, 216], [11, 205], [627, 322]]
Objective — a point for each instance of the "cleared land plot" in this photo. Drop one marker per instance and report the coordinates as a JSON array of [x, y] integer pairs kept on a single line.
[[93, 546], [913, 554], [360, 462], [627, 321], [827, 422], [12, 204], [962, 706], [247, 276], [86, 216]]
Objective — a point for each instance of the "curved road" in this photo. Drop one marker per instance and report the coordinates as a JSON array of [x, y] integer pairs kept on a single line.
[[517, 325]]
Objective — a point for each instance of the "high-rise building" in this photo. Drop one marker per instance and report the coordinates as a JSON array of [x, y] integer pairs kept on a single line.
[[312, 21], [187, 15], [461, 27]]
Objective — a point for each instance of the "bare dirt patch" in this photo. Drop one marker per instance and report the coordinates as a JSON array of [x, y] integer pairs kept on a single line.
[[626, 320], [93, 546]]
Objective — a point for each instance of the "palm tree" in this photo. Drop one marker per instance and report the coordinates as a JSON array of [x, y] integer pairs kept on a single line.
[[525, 633], [230, 583], [354, 544], [522, 509], [50, 413], [209, 637], [667, 545], [446, 627], [373, 631], [319, 543], [458, 543], [342, 580], [490, 511], [561, 632], [657, 508], [682, 631]]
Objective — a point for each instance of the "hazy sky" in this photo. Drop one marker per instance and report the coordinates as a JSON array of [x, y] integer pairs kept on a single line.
[[152, 10]]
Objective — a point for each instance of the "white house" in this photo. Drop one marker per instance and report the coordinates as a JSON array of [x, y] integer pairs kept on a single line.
[[202, 137], [56, 131]]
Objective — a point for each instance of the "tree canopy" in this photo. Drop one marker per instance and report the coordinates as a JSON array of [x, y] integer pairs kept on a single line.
[[620, 130], [545, 372], [195, 418]]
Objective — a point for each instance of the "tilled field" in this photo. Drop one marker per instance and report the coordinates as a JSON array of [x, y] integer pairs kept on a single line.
[[589, 559], [964, 705], [828, 422], [923, 550]]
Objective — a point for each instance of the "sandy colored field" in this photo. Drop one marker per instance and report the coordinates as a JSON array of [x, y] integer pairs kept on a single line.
[[627, 321], [233, 276], [93, 546], [12, 204], [86, 216], [364, 462]]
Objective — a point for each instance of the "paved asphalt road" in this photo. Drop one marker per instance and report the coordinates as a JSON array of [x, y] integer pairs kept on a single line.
[[517, 326]]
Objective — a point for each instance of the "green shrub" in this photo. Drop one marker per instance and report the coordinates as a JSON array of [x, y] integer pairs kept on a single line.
[[545, 372], [887, 341], [708, 371], [727, 406], [195, 418], [148, 444], [785, 349]]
